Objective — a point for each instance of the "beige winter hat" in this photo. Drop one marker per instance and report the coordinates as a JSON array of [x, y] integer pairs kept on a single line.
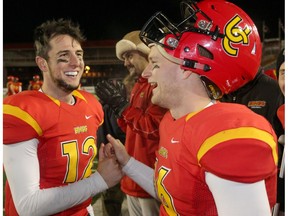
[[130, 41]]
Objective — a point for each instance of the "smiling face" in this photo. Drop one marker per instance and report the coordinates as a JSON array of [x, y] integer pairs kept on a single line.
[[65, 65], [164, 76], [135, 62]]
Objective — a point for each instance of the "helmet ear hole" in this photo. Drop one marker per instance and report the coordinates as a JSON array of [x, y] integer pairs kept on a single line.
[[204, 52], [212, 89]]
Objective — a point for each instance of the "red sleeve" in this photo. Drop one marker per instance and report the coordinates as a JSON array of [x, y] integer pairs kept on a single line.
[[19, 117], [245, 150], [24, 130], [241, 160]]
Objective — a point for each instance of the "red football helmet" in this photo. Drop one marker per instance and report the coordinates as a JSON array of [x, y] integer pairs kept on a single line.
[[36, 77], [215, 39], [10, 78]]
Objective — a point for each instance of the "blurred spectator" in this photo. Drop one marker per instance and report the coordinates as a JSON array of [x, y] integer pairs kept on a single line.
[[36, 83], [17, 85], [14, 85], [10, 81]]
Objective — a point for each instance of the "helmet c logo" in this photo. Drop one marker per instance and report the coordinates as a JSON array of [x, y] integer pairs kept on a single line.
[[235, 34]]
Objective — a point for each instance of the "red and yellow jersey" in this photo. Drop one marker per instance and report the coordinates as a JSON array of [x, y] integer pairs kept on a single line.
[[17, 87], [228, 140], [35, 85], [66, 134], [13, 87], [9, 89]]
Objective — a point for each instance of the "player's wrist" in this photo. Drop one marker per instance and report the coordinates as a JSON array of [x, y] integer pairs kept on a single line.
[[127, 162]]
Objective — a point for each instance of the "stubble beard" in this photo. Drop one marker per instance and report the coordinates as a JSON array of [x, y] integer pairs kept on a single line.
[[65, 86]]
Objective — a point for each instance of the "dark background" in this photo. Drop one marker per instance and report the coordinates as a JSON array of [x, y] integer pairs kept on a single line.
[[111, 20]]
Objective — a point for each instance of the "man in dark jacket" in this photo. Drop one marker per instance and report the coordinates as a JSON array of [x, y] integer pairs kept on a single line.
[[263, 96]]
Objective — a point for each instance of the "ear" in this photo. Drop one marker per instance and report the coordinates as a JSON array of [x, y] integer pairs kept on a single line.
[[42, 63]]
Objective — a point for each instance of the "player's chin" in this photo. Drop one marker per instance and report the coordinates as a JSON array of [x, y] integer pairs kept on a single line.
[[71, 87], [155, 99]]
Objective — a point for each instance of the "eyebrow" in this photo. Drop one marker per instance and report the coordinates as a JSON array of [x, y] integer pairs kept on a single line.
[[62, 51], [67, 51]]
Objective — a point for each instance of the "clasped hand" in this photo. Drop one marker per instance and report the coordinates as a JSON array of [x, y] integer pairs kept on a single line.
[[112, 157], [116, 149]]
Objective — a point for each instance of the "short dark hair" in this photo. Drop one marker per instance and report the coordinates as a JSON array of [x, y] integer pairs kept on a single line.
[[52, 28]]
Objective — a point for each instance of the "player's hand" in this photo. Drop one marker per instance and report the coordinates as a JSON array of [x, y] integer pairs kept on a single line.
[[117, 149], [109, 168]]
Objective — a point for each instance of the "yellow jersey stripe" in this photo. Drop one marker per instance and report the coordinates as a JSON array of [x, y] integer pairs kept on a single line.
[[56, 101], [79, 95], [26, 117], [238, 133]]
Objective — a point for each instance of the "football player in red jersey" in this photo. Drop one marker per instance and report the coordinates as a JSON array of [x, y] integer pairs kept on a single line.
[[10, 81], [214, 158], [50, 135], [17, 85], [35, 84]]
